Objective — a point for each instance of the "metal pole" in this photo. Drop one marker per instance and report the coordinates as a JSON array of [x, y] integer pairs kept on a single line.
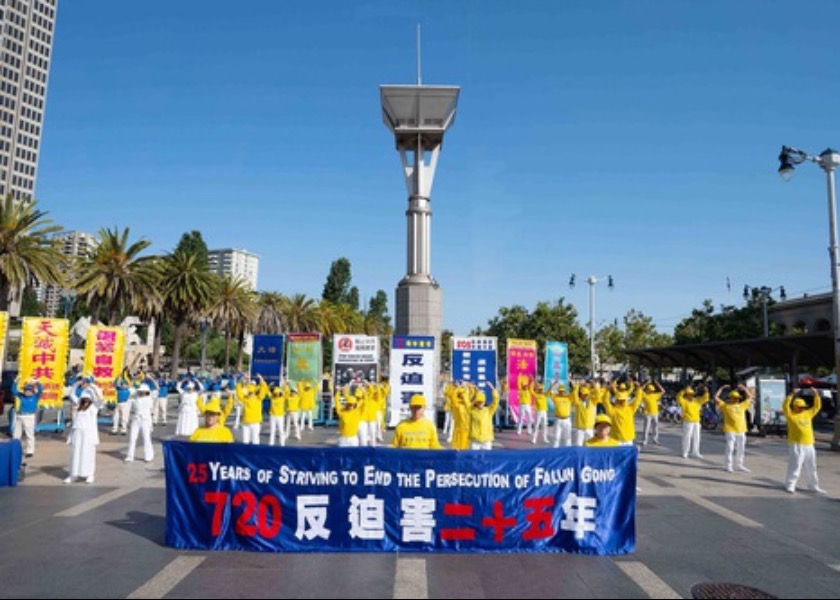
[[204, 327], [764, 308], [828, 166], [592, 281]]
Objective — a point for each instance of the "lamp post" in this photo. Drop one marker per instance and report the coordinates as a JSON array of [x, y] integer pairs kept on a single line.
[[592, 281], [204, 325], [764, 292], [828, 160]]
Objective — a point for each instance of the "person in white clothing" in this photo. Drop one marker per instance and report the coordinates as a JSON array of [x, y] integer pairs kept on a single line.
[[141, 423], [189, 391], [84, 436]]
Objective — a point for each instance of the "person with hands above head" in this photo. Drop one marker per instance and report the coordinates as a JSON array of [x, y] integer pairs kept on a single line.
[[416, 432], [26, 405], [734, 412], [691, 404], [652, 392], [482, 431], [84, 436], [349, 415], [800, 435], [214, 429]]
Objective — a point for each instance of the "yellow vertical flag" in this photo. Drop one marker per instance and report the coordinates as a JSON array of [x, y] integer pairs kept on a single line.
[[104, 356], [43, 356], [4, 329]]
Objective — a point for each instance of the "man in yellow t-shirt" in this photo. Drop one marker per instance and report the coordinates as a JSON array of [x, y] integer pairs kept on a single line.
[[602, 437], [651, 394], [801, 439], [349, 415], [563, 411], [735, 424], [417, 431], [214, 430], [691, 404]]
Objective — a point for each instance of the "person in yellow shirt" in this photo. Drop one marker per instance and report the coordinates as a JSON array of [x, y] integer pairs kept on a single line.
[[251, 397], [526, 410], [585, 399], [801, 440], [277, 416], [482, 430], [691, 405], [461, 418], [370, 415], [349, 416], [308, 399], [602, 437], [292, 410], [449, 389], [214, 429], [651, 394], [416, 432], [734, 424], [540, 398], [623, 412], [563, 413]]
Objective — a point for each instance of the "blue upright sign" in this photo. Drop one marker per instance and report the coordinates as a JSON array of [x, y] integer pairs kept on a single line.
[[556, 364], [267, 359], [474, 361], [274, 499]]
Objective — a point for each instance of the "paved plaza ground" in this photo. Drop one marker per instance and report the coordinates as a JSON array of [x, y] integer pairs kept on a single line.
[[695, 523]]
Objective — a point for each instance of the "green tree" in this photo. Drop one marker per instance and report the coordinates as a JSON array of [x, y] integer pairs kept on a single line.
[[114, 277], [270, 315], [609, 344], [193, 243], [28, 253], [300, 313], [29, 305], [353, 298], [640, 332], [377, 312], [337, 286], [730, 323], [233, 308]]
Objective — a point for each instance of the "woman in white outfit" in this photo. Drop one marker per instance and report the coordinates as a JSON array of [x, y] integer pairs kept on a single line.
[[188, 409], [141, 423], [84, 437]]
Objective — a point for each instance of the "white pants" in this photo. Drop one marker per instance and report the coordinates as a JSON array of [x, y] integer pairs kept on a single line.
[[367, 433], [141, 425], [159, 407], [293, 418], [237, 415], [306, 415], [251, 433], [581, 435], [651, 426], [348, 442], [800, 455], [121, 417], [525, 410], [562, 432], [277, 425], [25, 424], [691, 439], [448, 426], [735, 443], [481, 445], [542, 417]]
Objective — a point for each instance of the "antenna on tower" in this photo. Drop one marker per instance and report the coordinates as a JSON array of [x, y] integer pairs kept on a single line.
[[419, 69]]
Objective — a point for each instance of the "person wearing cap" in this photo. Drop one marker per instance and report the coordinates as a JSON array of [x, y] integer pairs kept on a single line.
[[562, 400], [585, 399], [416, 432], [277, 414], [541, 404], [251, 397], [292, 411], [141, 423], [308, 399], [349, 415], [623, 413], [800, 434], [214, 429], [602, 437], [461, 397], [189, 391], [482, 432], [691, 405], [84, 436], [124, 387], [652, 392], [161, 404], [734, 412], [526, 409], [370, 416], [26, 405]]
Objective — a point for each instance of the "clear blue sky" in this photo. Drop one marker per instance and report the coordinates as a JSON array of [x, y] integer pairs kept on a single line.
[[637, 139]]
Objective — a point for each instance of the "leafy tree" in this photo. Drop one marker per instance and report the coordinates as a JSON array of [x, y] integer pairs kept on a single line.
[[730, 323], [353, 298], [378, 309], [193, 243], [28, 252], [29, 305], [337, 286], [232, 309]]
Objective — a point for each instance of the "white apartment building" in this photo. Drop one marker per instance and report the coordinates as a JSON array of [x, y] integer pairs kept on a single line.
[[74, 244], [236, 262]]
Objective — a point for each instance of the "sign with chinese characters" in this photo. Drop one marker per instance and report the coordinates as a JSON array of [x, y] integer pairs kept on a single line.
[[271, 499], [267, 359], [355, 360], [474, 361], [412, 372], [4, 329], [521, 366], [43, 355], [556, 365], [303, 357], [104, 355]]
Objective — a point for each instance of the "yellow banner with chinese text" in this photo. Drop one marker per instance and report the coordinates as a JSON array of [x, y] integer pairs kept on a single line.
[[104, 356], [43, 356]]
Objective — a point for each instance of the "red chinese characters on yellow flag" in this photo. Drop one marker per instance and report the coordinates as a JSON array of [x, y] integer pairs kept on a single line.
[[4, 329], [104, 355], [43, 356]]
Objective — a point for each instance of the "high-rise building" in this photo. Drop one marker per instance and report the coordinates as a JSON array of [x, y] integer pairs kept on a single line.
[[74, 244], [235, 262], [26, 40]]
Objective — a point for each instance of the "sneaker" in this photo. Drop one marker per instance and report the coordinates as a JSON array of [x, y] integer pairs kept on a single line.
[[790, 490], [698, 455], [534, 441], [148, 460], [89, 479], [128, 459], [685, 455], [818, 490], [729, 469], [68, 480], [744, 469], [644, 443]]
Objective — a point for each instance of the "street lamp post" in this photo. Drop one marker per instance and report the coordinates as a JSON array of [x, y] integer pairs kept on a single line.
[[828, 160], [204, 324], [592, 281], [765, 292]]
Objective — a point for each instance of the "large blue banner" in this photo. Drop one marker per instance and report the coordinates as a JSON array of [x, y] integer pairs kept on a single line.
[[268, 358], [556, 365], [474, 361], [276, 499]]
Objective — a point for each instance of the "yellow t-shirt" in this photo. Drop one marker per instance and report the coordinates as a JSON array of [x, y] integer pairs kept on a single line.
[[691, 406], [348, 419], [734, 416], [217, 433], [799, 426], [419, 434], [651, 402], [594, 442], [562, 405], [541, 401]]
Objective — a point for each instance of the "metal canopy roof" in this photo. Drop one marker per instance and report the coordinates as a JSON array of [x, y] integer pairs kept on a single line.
[[426, 111], [813, 350]]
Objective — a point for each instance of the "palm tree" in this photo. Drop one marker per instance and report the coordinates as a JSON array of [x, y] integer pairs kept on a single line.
[[300, 313], [28, 253], [187, 289], [270, 318], [113, 277], [151, 309], [233, 308]]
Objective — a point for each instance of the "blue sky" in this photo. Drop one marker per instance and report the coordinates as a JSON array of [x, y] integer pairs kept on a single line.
[[637, 139]]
